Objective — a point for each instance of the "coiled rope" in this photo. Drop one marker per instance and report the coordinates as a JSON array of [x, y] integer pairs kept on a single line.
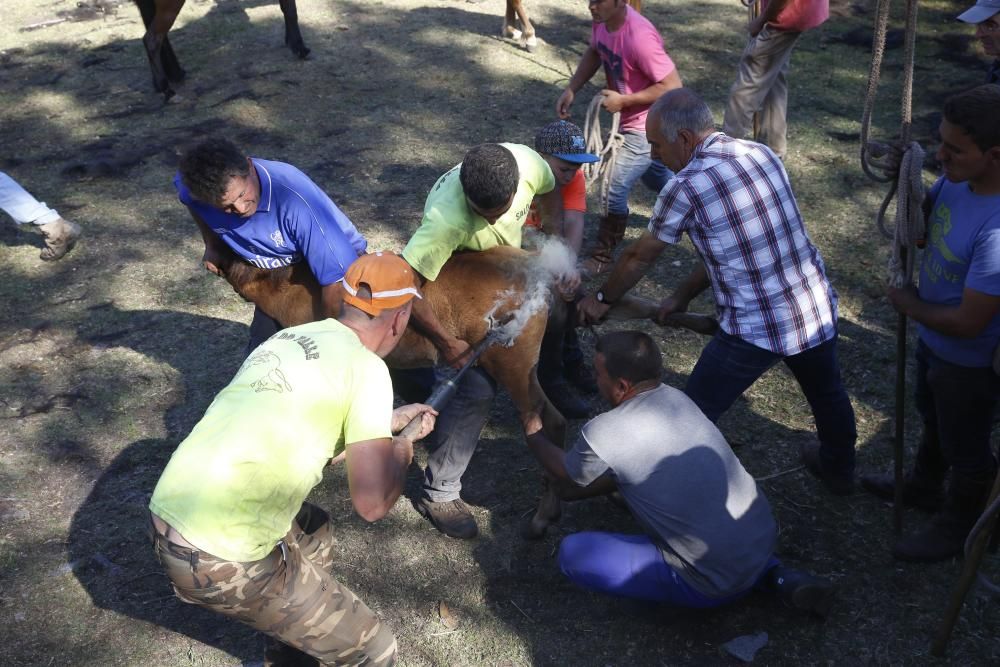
[[600, 172], [896, 163]]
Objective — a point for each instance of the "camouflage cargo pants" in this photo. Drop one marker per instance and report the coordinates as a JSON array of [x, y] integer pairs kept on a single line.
[[289, 595]]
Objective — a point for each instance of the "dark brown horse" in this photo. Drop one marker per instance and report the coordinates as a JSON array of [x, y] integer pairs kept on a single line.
[[159, 16]]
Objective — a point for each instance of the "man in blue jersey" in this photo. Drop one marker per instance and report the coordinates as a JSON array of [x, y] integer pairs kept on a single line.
[[957, 310], [270, 214]]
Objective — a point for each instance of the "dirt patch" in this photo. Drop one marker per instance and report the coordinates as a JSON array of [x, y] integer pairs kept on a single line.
[[109, 357]]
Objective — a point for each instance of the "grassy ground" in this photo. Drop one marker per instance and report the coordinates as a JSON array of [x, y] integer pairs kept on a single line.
[[109, 357]]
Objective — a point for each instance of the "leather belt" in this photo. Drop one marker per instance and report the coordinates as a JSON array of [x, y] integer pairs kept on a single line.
[[167, 532]]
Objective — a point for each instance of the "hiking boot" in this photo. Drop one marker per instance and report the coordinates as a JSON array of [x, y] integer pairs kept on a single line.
[[945, 533], [837, 484], [451, 517], [60, 237], [916, 493], [565, 401], [609, 235], [580, 377], [801, 590]]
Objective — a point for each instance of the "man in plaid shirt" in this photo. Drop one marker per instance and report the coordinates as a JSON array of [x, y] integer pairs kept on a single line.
[[733, 199]]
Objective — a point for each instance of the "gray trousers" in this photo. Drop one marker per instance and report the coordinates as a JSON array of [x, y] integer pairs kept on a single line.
[[457, 429], [761, 86]]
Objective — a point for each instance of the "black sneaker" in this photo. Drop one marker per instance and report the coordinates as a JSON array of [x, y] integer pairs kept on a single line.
[[801, 590], [451, 517], [838, 485]]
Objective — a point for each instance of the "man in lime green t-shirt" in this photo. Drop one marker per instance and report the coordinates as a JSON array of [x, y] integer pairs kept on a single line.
[[479, 204], [231, 524]]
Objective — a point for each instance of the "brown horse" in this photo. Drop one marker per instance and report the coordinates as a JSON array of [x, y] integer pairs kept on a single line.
[[525, 34], [471, 287], [159, 15]]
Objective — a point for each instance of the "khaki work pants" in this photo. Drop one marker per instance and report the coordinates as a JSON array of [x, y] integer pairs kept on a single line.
[[761, 86]]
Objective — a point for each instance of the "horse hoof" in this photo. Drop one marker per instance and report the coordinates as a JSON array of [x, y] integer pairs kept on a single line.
[[508, 31], [302, 53], [530, 44]]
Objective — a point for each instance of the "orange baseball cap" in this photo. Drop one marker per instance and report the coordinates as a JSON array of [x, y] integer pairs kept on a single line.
[[389, 278]]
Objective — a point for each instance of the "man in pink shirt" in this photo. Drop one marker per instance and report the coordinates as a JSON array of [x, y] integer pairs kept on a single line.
[[638, 70], [760, 84]]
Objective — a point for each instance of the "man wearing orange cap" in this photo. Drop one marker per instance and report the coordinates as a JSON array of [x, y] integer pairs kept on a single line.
[[230, 524]]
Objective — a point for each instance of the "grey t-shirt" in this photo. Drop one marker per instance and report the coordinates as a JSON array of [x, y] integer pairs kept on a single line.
[[685, 486]]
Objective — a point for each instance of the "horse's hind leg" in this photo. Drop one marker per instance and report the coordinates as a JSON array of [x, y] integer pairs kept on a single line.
[[528, 39], [172, 66], [293, 36], [516, 372], [509, 30], [159, 16]]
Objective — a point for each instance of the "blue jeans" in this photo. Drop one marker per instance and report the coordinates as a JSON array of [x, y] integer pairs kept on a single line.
[[634, 163], [20, 205], [632, 566], [729, 365], [958, 403]]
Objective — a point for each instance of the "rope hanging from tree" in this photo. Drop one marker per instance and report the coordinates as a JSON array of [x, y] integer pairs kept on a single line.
[[896, 163], [606, 150]]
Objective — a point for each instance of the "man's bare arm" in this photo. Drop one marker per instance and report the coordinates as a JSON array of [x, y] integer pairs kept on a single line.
[[966, 320], [769, 15], [628, 270], [615, 101], [376, 474], [590, 62], [553, 460], [454, 350], [215, 248]]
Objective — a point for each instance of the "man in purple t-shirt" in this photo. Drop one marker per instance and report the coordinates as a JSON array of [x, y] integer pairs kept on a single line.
[[957, 309], [268, 213], [638, 70]]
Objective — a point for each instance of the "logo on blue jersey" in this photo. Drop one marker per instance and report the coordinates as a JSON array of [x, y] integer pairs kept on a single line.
[[278, 239]]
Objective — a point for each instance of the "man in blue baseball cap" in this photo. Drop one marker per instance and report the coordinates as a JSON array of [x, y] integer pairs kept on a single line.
[[985, 15], [562, 146]]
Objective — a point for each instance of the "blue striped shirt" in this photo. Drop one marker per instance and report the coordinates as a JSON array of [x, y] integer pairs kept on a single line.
[[735, 202]]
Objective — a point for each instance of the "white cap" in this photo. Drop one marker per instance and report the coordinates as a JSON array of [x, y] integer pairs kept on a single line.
[[982, 10]]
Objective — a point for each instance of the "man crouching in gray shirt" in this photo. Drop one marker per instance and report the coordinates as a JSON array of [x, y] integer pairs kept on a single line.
[[709, 532]]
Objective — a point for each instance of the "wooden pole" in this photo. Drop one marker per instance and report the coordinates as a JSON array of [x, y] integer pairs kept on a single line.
[[898, 440], [965, 579]]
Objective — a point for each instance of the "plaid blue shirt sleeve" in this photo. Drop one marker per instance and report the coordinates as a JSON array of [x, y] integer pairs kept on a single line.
[[673, 213]]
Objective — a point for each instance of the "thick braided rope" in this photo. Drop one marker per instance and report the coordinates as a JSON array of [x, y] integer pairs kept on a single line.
[[900, 165], [909, 228], [868, 164], [607, 151]]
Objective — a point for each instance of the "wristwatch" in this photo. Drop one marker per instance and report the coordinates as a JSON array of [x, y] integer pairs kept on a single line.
[[600, 298]]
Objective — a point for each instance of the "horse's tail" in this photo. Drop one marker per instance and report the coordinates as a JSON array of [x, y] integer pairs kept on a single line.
[[148, 10]]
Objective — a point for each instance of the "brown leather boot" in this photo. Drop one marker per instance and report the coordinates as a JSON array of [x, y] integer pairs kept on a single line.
[[944, 536], [609, 235]]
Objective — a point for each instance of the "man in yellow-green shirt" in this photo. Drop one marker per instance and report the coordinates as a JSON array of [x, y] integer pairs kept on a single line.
[[479, 204], [231, 524]]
